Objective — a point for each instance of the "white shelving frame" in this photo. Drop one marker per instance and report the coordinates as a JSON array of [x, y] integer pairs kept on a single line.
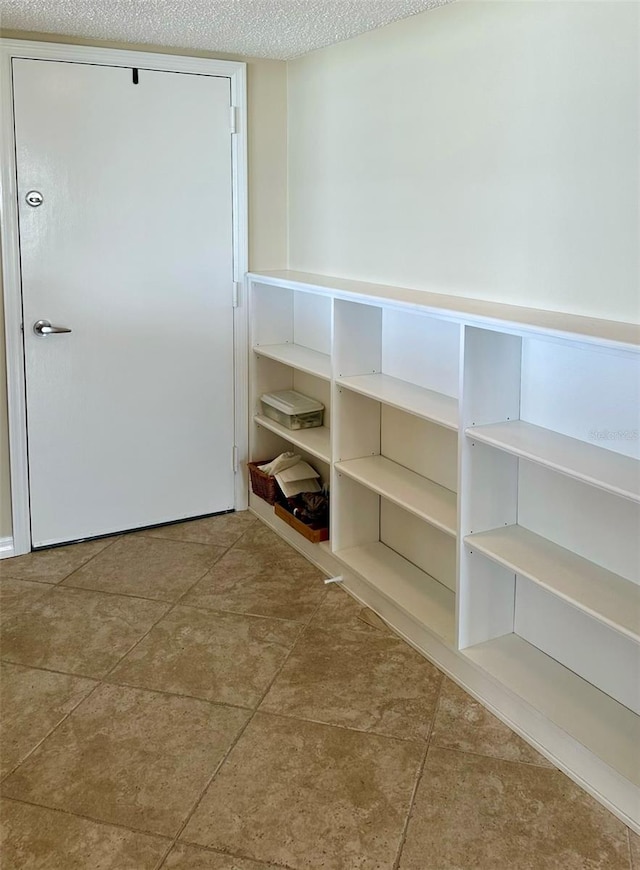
[[485, 480]]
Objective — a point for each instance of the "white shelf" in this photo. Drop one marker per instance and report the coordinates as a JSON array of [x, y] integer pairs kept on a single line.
[[415, 592], [607, 728], [408, 397], [588, 587], [299, 357], [411, 491], [587, 462], [315, 441], [480, 311]]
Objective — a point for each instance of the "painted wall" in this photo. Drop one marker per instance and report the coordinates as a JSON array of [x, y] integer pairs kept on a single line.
[[267, 87], [484, 149]]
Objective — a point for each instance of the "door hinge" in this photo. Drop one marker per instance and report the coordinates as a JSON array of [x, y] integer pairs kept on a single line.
[[233, 111], [236, 294], [235, 458]]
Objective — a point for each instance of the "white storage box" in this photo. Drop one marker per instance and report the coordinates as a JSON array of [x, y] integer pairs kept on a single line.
[[292, 409]]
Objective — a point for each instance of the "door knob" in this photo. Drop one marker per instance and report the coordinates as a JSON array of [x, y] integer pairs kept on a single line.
[[44, 328]]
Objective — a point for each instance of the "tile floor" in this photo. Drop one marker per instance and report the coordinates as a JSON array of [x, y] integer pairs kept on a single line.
[[195, 698]]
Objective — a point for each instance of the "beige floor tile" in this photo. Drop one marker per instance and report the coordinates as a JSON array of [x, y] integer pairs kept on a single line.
[[485, 813], [260, 538], [77, 631], [34, 838], [192, 858], [464, 724], [339, 610], [283, 585], [223, 531], [371, 681], [148, 567], [309, 796], [129, 757], [634, 843], [223, 657], [33, 703], [17, 595], [53, 565]]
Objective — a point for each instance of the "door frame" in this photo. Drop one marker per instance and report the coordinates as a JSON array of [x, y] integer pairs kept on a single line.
[[235, 71]]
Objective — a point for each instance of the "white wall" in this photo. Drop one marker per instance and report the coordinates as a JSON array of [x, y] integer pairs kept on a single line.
[[485, 149]]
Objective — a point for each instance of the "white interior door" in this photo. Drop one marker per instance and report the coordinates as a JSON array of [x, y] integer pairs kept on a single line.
[[130, 415]]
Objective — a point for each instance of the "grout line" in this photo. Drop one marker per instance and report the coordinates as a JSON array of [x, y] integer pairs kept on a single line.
[[405, 827], [77, 676], [552, 769], [93, 819], [369, 733], [90, 559], [54, 728], [44, 583], [170, 694], [234, 744], [259, 862]]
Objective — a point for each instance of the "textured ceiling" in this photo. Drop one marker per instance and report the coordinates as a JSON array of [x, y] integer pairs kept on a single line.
[[279, 29]]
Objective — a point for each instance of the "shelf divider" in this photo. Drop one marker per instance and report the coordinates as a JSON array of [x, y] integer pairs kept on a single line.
[[589, 463], [422, 497], [608, 597], [299, 357], [315, 441], [408, 397], [411, 589]]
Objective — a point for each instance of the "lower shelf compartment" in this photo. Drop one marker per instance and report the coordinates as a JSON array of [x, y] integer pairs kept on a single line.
[[605, 727], [420, 595]]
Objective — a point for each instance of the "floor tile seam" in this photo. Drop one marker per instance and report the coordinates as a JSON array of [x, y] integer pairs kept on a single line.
[[168, 608], [232, 746], [50, 584], [234, 855], [64, 585], [418, 780], [417, 741], [88, 818], [170, 694], [204, 574], [528, 764], [33, 749], [143, 597], [90, 559], [222, 610], [8, 661], [158, 537], [138, 641], [631, 862], [215, 772]]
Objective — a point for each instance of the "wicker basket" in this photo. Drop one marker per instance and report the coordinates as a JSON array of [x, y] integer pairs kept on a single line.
[[264, 485]]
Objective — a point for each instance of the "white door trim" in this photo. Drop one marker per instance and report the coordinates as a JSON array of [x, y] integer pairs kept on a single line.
[[16, 393]]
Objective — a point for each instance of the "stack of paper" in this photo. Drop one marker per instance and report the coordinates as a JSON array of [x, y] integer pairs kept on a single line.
[[300, 477]]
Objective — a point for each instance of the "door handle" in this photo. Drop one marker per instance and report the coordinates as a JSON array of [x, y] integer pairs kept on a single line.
[[44, 328]]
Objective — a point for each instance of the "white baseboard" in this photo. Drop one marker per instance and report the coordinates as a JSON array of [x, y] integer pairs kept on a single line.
[[6, 548]]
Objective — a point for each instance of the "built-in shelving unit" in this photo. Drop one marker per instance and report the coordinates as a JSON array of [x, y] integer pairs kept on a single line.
[[484, 468]]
